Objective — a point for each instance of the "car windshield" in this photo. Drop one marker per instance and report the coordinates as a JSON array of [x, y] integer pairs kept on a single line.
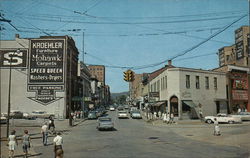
[[105, 119]]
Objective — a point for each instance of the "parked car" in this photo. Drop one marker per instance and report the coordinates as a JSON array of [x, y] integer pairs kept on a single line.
[[16, 114], [3, 120], [122, 114], [105, 123], [245, 116], [222, 118], [42, 114], [92, 115], [28, 116], [136, 115], [111, 108]]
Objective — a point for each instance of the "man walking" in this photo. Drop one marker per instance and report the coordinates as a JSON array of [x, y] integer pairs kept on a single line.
[[58, 141], [44, 132]]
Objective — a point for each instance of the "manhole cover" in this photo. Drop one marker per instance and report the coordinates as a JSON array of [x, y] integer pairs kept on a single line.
[[189, 135], [153, 137]]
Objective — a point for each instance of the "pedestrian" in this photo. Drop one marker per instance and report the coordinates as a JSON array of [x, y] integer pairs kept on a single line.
[[171, 118], [201, 115], [216, 128], [164, 117], [168, 118], [26, 143], [58, 141], [12, 143], [51, 124], [44, 132]]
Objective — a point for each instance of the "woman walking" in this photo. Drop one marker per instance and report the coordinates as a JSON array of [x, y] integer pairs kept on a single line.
[[12, 143], [26, 143]]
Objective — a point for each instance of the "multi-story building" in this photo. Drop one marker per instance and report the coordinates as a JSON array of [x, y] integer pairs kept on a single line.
[[238, 91], [227, 55], [41, 73], [84, 83], [185, 91], [99, 72], [242, 46]]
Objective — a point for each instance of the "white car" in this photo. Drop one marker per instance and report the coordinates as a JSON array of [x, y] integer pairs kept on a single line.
[[222, 118], [245, 116], [112, 108], [3, 120], [123, 114]]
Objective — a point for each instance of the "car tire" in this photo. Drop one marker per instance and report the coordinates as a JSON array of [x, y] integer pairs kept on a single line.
[[230, 122], [209, 121]]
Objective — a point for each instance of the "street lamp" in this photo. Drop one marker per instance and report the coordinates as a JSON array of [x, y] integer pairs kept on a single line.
[[9, 104]]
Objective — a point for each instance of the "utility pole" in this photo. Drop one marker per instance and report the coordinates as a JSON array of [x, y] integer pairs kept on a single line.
[[83, 84]]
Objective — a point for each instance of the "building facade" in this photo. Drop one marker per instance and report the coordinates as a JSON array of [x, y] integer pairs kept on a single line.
[[99, 72], [42, 73], [242, 46], [186, 91], [238, 79]]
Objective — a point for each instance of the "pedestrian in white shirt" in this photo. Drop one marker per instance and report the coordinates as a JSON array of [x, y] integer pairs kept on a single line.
[[216, 128], [44, 132], [58, 141]]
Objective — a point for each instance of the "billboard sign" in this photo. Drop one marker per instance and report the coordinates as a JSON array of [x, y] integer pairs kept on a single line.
[[239, 50], [46, 64], [16, 58], [46, 69]]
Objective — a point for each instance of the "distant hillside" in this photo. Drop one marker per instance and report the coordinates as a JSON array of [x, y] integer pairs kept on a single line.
[[114, 95]]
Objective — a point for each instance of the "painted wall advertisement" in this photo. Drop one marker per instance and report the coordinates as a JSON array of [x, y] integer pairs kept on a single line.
[[16, 58], [46, 69], [240, 86]]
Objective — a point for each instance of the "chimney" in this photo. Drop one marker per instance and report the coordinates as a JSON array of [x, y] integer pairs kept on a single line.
[[17, 36], [169, 62]]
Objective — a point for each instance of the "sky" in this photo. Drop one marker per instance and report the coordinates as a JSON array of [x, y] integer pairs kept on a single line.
[[137, 34]]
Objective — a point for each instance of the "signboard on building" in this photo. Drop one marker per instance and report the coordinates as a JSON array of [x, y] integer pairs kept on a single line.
[[46, 69], [240, 94], [16, 58], [239, 50], [154, 94]]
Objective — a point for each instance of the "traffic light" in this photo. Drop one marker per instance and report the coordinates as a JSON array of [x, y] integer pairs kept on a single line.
[[125, 74], [130, 75]]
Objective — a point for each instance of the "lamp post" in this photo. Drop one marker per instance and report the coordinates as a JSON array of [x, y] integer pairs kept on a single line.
[[9, 94]]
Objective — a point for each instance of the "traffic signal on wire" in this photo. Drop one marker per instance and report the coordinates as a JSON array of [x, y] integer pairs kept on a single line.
[[125, 75], [128, 75]]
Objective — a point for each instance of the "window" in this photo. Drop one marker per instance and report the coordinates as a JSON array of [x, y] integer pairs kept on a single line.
[[187, 81], [158, 85], [166, 82], [197, 82], [215, 83], [207, 82]]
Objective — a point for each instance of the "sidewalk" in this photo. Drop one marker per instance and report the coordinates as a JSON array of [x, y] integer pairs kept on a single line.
[[232, 134], [34, 128]]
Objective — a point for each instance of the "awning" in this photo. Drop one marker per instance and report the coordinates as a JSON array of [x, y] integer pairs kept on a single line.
[[158, 103], [190, 103]]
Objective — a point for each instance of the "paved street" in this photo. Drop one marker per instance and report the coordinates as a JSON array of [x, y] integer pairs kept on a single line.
[[137, 138]]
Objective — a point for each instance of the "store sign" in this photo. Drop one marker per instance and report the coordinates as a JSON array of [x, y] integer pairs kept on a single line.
[[154, 94], [239, 81], [14, 58], [46, 69], [240, 95]]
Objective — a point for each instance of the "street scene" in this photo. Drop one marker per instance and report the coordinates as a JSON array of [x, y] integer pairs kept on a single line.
[[138, 138], [125, 78]]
